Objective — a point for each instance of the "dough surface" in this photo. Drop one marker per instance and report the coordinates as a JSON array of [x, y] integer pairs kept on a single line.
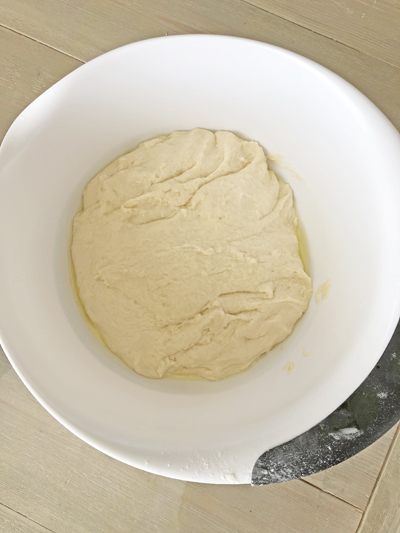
[[186, 255]]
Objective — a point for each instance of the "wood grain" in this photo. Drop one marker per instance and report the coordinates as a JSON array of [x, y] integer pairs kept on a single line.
[[383, 512], [58, 481], [371, 26], [354, 480], [26, 70], [12, 522], [87, 29]]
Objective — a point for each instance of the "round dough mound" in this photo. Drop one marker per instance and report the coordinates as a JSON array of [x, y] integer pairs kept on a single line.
[[186, 256]]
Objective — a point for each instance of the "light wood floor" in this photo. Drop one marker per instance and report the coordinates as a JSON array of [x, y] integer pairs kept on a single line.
[[49, 479]]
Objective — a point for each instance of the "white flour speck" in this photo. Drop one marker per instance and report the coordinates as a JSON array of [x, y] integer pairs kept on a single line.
[[346, 433], [231, 478]]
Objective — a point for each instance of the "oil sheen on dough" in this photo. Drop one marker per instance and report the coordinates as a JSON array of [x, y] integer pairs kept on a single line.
[[186, 256]]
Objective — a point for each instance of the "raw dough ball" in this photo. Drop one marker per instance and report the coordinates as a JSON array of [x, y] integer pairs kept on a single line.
[[186, 255]]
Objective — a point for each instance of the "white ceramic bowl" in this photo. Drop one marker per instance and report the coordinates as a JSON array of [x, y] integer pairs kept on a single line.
[[348, 155]]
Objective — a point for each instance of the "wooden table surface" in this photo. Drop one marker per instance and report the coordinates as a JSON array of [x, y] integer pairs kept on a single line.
[[52, 481]]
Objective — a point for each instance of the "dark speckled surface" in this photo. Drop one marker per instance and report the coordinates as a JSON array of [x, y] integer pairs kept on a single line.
[[369, 413]]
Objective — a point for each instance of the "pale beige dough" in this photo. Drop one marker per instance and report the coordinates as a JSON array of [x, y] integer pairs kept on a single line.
[[186, 255]]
